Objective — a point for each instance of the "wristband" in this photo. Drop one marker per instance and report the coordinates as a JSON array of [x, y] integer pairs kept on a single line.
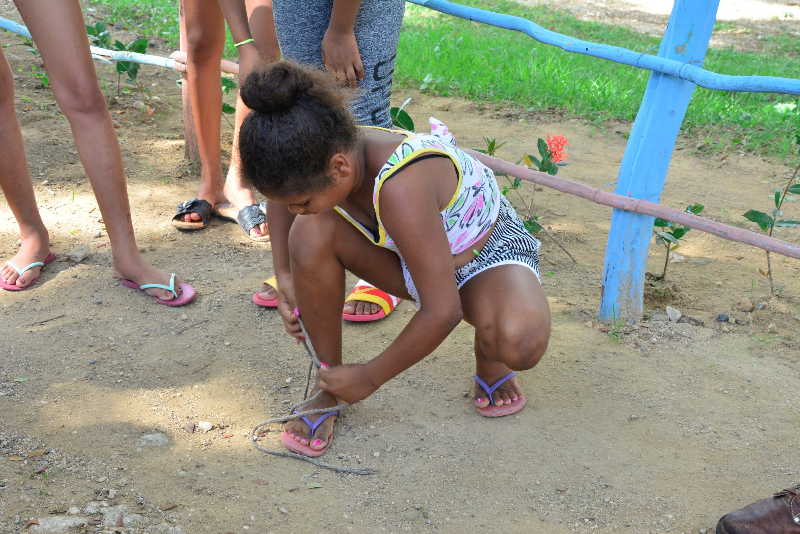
[[246, 41]]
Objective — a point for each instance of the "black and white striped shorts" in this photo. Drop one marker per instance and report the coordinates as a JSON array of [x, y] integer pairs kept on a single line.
[[509, 244]]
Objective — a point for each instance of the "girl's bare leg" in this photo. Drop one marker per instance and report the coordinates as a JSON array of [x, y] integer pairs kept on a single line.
[[17, 187], [205, 35], [58, 31], [509, 311], [321, 247]]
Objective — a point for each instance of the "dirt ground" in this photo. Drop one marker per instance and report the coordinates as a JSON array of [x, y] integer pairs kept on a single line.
[[651, 428]]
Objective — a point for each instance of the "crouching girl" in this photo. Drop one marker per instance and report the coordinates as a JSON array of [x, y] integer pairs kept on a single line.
[[409, 213]]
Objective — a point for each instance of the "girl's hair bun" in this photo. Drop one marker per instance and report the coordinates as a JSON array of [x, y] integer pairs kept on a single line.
[[276, 88]]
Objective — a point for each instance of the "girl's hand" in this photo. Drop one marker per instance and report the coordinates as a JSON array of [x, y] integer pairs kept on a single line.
[[351, 383], [287, 307], [341, 56]]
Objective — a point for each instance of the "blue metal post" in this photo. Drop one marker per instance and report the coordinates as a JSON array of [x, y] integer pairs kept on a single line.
[[647, 156]]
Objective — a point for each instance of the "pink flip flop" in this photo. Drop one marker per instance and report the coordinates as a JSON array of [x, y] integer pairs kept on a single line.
[[258, 300], [14, 287], [186, 296], [295, 446], [499, 411]]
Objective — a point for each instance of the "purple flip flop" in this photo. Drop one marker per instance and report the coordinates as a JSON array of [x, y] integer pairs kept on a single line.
[[186, 296], [499, 411], [295, 446]]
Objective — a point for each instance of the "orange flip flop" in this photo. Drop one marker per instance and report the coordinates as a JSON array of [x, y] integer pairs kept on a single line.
[[366, 292]]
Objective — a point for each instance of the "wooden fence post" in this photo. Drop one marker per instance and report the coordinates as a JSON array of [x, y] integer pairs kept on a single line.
[[190, 151], [647, 156]]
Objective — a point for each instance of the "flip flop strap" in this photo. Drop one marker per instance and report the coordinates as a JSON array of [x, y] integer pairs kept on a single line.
[[250, 216], [314, 425], [196, 205], [24, 270], [374, 295], [491, 389], [170, 287], [272, 281]]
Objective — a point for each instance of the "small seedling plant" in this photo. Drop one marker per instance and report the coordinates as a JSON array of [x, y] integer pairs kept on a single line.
[[99, 34], [767, 223], [129, 67], [669, 234], [228, 85]]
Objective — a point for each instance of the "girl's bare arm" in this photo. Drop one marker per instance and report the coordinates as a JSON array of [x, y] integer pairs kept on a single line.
[[409, 209]]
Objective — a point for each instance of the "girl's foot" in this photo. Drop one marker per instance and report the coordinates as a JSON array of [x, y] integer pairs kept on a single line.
[[34, 248], [267, 293], [144, 273], [359, 307], [299, 431], [490, 372]]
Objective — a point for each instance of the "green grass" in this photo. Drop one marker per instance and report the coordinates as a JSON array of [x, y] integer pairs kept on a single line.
[[446, 56], [464, 59]]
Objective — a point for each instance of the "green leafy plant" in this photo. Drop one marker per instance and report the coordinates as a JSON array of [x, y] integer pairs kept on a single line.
[[669, 234], [767, 223], [228, 85], [551, 154], [41, 75], [129, 67], [99, 34], [401, 118]]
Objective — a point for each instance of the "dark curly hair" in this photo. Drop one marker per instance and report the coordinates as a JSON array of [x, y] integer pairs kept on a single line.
[[299, 120]]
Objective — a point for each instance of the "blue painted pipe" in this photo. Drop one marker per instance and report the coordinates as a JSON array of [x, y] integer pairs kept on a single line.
[[684, 71]]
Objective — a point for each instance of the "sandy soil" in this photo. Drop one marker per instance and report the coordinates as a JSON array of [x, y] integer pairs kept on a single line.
[[655, 427]]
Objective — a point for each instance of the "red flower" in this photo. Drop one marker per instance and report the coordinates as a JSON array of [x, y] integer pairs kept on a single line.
[[556, 144]]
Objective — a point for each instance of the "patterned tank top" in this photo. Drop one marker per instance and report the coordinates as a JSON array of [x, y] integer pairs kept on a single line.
[[471, 211]]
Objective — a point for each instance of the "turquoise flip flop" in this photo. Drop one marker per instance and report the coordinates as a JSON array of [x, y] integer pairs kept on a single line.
[[186, 296], [14, 287]]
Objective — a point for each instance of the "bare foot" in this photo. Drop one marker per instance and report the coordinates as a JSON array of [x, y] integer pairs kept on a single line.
[[300, 431], [142, 272], [34, 248], [358, 307], [490, 372], [267, 292]]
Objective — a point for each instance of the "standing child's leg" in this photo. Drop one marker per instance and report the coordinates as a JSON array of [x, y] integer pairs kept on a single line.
[[255, 48], [205, 37], [18, 189], [59, 32], [509, 311]]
